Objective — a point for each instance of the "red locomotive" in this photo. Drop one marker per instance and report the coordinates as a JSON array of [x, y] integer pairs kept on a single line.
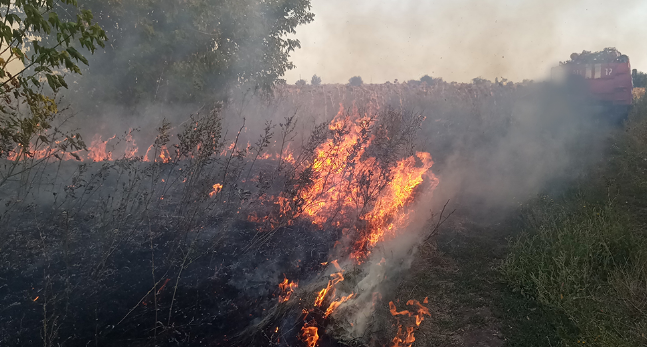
[[607, 75]]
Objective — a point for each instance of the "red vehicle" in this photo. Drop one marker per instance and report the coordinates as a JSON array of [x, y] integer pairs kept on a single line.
[[607, 75]]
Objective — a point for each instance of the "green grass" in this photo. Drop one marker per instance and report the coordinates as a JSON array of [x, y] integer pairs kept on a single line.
[[585, 255]]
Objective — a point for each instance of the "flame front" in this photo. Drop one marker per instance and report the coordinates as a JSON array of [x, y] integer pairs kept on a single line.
[[349, 187]]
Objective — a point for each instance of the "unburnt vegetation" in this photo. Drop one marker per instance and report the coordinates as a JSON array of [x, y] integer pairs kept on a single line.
[[583, 254]]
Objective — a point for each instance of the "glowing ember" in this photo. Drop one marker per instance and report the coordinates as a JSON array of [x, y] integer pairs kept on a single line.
[[216, 189], [287, 288], [164, 156]]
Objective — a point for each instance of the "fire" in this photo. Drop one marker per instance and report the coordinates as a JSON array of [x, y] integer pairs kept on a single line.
[[333, 305], [309, 335], [97, 149], [131, 147], [287, 288], [352, 188], [164, 156], [336, 278], [404, 338], [216, 189]]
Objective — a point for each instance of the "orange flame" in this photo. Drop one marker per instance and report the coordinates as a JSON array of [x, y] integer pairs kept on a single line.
[[309, 335], [347, 185], [216, 189], [165, 156], [336, 278], [287, 288], [97, 149], [333, 305], [131, 146], [404, 338]]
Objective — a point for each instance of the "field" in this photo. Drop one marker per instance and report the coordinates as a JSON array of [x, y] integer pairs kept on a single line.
[[331, 216]]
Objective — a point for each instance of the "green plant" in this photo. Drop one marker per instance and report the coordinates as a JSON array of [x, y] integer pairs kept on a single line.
[[586, 254]]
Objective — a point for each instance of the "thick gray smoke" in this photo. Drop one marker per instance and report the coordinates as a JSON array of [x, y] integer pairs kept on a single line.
[[459, 40]]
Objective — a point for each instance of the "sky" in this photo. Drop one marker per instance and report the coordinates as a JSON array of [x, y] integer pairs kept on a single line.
[[384, 40]]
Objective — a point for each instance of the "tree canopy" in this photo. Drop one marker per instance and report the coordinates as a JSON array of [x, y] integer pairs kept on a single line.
[[427, 79], [316, 80], [37, 46], [170, 51], [355, 81], [639, 78]]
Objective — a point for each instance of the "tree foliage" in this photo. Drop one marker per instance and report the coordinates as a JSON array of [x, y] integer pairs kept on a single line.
[[38, 46], [355, 81], [301, 83], [316, 80], [639, 78], [171, 51], [427, 79], [480, 80]]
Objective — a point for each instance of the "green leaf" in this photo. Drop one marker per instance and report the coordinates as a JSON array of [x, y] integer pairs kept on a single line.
[[61, 81], [76, 55], [18, 53], [53, 19], [53, 82]]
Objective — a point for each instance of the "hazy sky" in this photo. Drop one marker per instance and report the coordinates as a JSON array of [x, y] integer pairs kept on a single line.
[[383, 40]]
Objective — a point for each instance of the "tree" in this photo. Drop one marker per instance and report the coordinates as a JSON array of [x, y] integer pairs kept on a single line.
[[38, 45], [192, 50], [639, 78], [301, 83], [480, 80], [427, 79], [355, 81], [316, 80]]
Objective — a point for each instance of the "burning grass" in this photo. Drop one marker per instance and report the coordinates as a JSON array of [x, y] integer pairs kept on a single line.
[[208, 233], [200, 215]]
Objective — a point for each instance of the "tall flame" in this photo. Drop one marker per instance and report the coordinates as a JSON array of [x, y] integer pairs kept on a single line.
[[348, 186], [309, 335]]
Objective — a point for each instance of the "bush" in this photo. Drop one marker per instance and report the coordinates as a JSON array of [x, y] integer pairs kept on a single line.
[[316, 80], [427, 79], [355, 81]]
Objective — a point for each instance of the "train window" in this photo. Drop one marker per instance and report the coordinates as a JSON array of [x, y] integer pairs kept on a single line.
[[589, 71], [598, 71]]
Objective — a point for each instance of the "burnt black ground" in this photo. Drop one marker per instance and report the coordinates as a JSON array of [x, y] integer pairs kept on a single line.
[[218, 294]]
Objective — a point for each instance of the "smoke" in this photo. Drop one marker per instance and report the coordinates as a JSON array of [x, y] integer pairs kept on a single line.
[[460, 40]]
